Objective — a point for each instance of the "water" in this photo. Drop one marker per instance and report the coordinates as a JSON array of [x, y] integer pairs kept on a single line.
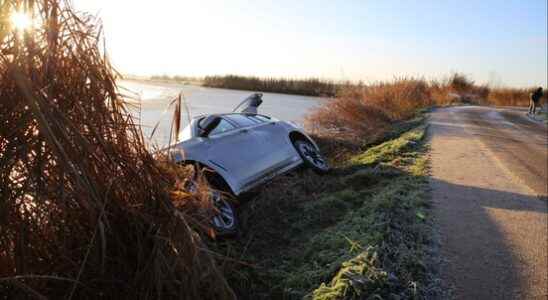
[[155, 99]]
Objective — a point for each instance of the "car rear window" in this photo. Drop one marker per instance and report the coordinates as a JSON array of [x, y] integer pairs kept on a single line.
[[241, 120], [259, 118], [223, 126]]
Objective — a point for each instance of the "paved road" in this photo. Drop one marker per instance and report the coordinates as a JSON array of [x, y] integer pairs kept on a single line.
[[489, 177]]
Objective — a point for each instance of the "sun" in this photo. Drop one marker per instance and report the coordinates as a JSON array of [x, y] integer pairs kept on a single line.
[[21, 21]]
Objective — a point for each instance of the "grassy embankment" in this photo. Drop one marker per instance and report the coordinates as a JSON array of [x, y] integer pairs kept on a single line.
[[363, 230]]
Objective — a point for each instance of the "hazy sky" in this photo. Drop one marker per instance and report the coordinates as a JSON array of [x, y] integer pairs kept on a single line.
[[502, 42]]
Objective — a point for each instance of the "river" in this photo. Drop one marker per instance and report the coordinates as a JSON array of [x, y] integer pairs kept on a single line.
[[155, 98]]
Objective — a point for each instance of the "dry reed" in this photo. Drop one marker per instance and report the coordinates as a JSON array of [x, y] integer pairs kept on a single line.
[[308, 87], [368, 111], [360, 114], [85, 210], [509, 97]]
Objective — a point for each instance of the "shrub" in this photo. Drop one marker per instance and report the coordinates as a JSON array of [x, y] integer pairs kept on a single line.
[[509, 97], [360, 114], [460, 83], [369, 111]]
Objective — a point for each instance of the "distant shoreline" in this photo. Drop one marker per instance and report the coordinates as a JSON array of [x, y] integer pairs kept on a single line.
[[304, 87], [296, 87], [196, 82]]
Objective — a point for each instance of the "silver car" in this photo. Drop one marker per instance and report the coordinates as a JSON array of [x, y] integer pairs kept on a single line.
[[245, 149]]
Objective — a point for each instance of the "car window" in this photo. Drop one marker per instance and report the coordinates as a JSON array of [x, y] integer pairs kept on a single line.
[[241, 120], [263, 118], [185, 134], [223, 127], [259, 119]]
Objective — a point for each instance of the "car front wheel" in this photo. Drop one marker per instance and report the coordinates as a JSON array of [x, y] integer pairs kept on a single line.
[[311, 156]]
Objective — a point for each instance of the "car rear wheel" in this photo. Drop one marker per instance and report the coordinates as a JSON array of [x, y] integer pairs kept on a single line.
[[311, 156], [225, 222]]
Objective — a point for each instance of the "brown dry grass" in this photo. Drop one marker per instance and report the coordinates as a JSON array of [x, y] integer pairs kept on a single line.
[[362, 114], [85, 210], [509, 97]]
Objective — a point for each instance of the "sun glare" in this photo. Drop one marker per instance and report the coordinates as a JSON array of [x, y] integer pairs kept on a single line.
[[21, 21]]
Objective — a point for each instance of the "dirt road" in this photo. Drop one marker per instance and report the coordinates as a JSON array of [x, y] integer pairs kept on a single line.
[[489, 182]]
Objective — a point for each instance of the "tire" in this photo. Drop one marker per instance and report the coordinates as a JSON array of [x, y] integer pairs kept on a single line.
[[311, 156], [226, 222], [214, 180]]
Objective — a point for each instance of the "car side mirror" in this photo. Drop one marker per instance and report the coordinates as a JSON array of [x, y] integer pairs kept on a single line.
[[208, 124]]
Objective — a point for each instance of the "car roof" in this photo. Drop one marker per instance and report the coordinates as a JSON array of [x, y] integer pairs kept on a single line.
[[225, 114]]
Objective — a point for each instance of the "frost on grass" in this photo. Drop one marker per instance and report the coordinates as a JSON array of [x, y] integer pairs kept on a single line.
[[394, 231], [360, 232]]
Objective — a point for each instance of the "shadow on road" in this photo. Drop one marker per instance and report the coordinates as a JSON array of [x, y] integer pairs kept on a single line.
[[493, 227], [487, 262]]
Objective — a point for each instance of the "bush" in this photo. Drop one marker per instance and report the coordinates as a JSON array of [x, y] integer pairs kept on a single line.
[[460, 83], [362, 113], [509, 97], [369, 111]]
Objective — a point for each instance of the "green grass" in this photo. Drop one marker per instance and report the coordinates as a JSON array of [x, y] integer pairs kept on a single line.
[[389, 151], [357, 233]]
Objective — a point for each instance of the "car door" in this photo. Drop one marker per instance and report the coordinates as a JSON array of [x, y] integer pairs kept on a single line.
[[233, 148], [281, 152], [269, 141]]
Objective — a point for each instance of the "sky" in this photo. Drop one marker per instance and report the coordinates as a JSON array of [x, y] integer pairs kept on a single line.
[[496, 42]]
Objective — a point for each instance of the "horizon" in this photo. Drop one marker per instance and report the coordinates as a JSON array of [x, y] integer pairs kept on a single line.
[[501, 44]]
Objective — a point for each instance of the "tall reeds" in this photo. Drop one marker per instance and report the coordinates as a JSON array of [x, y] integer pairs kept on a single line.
[[85, 210], [509, 97], [368, 111]]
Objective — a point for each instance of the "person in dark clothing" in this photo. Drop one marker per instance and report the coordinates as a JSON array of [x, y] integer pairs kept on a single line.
[[534, 100]]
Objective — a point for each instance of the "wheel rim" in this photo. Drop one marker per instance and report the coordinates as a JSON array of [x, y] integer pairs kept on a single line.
[[225, 219], [312, 155]]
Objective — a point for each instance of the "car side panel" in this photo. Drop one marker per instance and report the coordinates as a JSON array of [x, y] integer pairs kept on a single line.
[[197, 151], [278, 152], [292, 128], [266, 151], [235, 153]]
